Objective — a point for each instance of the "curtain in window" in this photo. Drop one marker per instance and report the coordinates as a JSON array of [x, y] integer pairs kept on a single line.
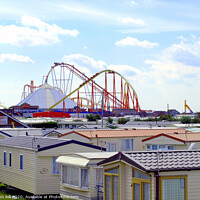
[[146, 191], [108, 187], [56, 166], [115, 188], [173, 189], [84, 178], [71, 175], [136, 191], [126, 145], [112, 147], [99, 176]]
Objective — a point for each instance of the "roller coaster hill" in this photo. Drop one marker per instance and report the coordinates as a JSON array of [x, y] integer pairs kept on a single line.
[[66, 89]]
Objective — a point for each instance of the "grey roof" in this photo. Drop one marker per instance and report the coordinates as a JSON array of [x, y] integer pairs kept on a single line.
[[52, 131], [39, 132], [160, 160], [96, 155], [41, 143], [23, 131], [5, 134]]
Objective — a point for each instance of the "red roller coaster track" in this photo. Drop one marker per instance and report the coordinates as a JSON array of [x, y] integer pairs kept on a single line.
[[117, 91]]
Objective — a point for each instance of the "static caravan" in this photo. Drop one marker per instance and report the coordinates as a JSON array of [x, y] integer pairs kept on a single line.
[[122, 140], [80, 176], [174, 141], [29, 163], [152, 175]]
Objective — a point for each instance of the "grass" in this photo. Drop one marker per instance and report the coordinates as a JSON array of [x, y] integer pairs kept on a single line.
[[5, 196], [112, 127]]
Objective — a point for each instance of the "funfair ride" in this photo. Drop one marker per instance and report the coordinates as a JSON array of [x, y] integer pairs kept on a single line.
[[105, 90]]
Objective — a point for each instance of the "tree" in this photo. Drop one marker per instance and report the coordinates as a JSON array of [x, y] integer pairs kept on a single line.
[[185, 120], [92, 117], [195, 120], [109, 120], [122, 120]]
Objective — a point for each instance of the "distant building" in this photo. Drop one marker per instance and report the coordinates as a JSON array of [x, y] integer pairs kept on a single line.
[[173, 112], [7, 121], [142, 113], [190, 115], [122, 112], [24, 109], [158, 113]]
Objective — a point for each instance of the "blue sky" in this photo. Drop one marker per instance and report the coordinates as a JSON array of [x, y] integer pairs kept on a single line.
[[155, 44]]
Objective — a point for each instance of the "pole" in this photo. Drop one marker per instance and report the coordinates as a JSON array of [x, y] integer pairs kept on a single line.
[[168, 109], [102, 109]]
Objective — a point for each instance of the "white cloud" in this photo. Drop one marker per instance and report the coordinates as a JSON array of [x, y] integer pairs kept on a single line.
[[15, 58], [85, 47], [175, 74], [133, 3], [33, 32], [130, 41], [89, 65], [179, 62], [129, 20], [85, 64], [170, 78], [124, 68]]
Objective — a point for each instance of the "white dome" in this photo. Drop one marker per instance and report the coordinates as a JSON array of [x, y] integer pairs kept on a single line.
[[46, 96]]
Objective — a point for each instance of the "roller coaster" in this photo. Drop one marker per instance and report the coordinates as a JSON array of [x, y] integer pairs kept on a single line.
[[105, 90]]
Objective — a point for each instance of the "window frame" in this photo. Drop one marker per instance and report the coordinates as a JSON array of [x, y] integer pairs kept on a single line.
[[53, 172], [79, 177], [5, 158], [110, 143], [96, 175], [175, 177], [111, 175], [122, 140], [21, 164], [166, 145], [140, 181], [10, 160]]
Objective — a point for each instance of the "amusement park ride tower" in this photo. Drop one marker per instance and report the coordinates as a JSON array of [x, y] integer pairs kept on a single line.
[[86, 91]]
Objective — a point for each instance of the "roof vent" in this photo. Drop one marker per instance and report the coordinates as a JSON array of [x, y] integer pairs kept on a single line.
[[133, 128], [125, 129]]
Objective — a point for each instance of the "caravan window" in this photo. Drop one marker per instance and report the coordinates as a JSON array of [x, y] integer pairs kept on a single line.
[[55, 166], [112, 147], [75, 176], [161, 147], [174, 188], [126, 145], [5, 158]]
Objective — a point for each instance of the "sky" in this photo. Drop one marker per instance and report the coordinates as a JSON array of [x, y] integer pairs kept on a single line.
[[155, 44]]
